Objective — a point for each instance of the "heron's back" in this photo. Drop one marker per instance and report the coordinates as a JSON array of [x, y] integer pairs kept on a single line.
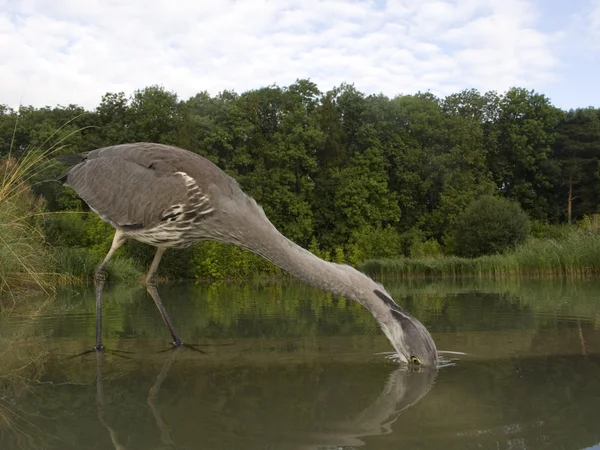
[[155, 193]]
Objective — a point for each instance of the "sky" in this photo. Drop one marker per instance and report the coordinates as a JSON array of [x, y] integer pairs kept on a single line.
[[58, 52]]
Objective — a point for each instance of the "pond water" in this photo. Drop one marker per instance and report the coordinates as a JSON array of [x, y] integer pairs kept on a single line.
[[285, 366]]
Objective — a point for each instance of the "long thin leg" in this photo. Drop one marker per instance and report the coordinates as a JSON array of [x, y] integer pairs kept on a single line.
[[153, 291], [99, 281]]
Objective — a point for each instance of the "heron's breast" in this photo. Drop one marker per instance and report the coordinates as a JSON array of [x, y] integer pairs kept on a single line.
[[163, 235]]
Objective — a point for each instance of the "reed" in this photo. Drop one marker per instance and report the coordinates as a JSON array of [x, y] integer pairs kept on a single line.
[[575, 255], [26, 264]]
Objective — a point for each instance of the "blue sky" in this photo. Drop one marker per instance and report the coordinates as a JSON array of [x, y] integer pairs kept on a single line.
[[67, 51]]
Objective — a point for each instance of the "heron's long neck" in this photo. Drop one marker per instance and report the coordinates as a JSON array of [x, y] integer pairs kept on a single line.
[[262, 238]]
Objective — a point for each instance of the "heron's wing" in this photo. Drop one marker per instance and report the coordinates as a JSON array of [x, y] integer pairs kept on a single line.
[[127, 193]]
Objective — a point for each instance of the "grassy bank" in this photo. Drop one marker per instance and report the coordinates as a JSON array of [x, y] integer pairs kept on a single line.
[[576, 255]]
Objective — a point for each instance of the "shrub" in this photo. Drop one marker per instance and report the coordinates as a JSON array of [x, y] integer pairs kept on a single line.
[[590, 223], [490, 225], [213, 260], [542, 230], [373, 242], [426, 249], [65, 229], [316, 250]]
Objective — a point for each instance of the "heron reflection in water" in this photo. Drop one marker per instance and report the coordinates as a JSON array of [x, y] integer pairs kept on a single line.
[[165, 430], [166, 197], [403, 389]]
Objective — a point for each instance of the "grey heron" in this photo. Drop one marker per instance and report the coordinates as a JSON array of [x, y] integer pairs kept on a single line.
[[166, 197]]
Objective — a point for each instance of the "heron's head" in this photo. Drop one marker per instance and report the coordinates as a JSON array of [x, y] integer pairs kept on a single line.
[[409, 337]]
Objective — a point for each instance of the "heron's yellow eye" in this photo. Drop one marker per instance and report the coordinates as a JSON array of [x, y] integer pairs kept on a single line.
[[416, 361]]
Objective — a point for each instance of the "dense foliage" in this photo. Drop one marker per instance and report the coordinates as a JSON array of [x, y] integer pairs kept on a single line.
[[490, 225], [349, 175]]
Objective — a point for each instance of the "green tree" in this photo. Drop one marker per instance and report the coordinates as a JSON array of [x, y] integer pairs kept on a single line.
[[330, 168], [491, 225], [577, 150], [520, 161], [114, 119], [154, 115], [352, 184], [463, 164], [281, 150]]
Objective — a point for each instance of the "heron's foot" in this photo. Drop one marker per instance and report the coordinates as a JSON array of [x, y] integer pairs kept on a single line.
[[192, 347], [119, 353], [86, 352], [101, 348], [179, 344]]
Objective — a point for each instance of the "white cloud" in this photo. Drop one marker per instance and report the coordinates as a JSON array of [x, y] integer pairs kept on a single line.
[[68, 51], [593, 25]]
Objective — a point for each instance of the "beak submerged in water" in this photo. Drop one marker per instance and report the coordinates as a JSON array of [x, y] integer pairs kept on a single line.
[[409, 337]]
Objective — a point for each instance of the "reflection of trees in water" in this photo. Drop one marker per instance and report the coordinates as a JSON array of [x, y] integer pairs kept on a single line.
[[36, 412], [284, 308], [221, 310], [555, 296]]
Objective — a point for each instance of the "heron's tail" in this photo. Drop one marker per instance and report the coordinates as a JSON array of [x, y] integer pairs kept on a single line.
[[72, 160]]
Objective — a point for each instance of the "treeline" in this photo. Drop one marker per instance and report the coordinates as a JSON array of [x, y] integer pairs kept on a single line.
[[349, 175]]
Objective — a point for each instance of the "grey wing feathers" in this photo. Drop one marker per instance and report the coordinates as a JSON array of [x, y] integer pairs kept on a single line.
[[124, 192]]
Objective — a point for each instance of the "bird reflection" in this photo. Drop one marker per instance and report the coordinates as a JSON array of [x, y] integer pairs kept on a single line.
[[114, 437], [404, 388], [165, 431]]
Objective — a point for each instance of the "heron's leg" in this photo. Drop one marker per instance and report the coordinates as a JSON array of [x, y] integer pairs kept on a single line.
[[99, 280], [153, 291]]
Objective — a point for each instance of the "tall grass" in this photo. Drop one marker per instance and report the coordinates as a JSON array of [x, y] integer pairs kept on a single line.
[[24, 261], [75, 265], [575, 255]]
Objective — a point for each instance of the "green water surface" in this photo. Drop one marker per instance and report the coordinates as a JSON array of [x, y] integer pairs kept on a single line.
[[286, 366]]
